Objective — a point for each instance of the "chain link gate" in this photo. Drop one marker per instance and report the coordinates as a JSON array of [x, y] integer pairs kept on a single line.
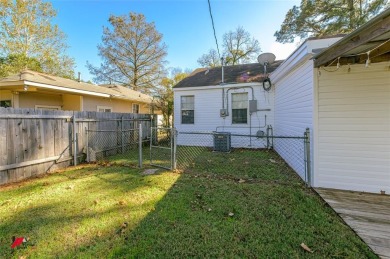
[[163, 148], [116, 143]]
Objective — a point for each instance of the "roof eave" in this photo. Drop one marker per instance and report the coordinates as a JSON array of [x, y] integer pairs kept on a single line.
[[65, 89], [220, 86], [341, 46]]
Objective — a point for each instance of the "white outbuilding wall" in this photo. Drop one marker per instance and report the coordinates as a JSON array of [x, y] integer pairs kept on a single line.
[[293, 82], [208, 102], [353, 143]]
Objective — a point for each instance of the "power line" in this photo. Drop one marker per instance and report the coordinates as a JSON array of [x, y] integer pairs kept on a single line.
[[212, 22]]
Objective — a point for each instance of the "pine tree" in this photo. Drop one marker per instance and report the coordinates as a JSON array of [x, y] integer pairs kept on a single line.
[[327, 17]]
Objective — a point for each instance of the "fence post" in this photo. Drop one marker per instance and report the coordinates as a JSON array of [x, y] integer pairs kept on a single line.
[[74, 141], [174, 136], [123, 136], [308, 158], [270, 139], [140, 145], [87, 139], [151, 144]]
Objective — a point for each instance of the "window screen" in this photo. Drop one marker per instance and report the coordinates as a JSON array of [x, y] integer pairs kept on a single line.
[[239, 108], [5, 103], [135, 108], [187, 109]]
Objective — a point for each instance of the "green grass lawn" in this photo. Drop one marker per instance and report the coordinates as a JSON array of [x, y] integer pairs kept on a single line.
[[240, 209]]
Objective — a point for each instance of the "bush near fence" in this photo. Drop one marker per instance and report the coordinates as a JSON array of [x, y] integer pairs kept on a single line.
[[34, 142]]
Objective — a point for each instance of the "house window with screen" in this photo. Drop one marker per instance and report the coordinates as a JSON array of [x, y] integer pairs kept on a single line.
[[187, 109], [48, 107], [5, 103], [239, 108], [104, 109], [135, 108]]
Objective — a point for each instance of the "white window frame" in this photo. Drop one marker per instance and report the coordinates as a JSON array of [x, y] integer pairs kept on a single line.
[[104, 108], [132, 107], [48, 107], [247, 109], [181, 109]]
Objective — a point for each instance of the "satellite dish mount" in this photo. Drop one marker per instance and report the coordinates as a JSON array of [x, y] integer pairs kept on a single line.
[[265, 59]]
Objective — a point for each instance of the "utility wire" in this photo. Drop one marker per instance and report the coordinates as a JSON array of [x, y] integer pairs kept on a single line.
[[212, 22]]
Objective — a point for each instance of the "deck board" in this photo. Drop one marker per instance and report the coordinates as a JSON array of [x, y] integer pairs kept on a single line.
[[367, 214]]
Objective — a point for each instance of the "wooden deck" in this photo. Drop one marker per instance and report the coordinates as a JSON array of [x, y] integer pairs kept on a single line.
[[367, 214]]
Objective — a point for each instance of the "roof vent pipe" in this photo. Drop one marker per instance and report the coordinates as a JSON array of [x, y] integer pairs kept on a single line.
[[79, 77], [223, 76]]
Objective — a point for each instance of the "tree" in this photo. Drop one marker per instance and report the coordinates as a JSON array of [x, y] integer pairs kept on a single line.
[[164, 101], [327, 17], [16, 62], [27, 34], [132, 52], [210, 59], [238, 48]]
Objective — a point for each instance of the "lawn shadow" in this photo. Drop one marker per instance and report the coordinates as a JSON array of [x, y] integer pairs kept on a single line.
[[221, 217], [215, 209], [78, 213]]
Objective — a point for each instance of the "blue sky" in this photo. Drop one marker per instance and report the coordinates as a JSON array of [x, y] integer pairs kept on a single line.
[[185, 24]]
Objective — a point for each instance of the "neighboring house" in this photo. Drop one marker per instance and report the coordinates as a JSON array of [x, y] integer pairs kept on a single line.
[[345, 101], [36, 90], [238, 105]]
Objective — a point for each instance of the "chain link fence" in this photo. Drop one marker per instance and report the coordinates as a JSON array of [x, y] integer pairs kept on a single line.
[[162, 147], [244, 157], [260, 157], [117, 143]]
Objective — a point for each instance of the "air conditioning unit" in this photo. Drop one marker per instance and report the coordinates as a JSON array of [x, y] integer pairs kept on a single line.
[[222, 141]]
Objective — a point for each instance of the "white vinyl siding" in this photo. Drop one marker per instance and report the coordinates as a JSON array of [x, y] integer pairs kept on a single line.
[[354, 129], [208, 103], [294, 113]]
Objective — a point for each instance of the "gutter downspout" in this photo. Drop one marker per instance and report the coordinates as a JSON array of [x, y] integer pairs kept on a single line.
[[223, 75]]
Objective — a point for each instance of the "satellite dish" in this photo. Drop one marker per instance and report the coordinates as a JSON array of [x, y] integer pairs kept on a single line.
[[266, 58]]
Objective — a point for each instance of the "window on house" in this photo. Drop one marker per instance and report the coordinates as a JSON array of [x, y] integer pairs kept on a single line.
[[5, 103], [239, 108], [135, 108], [48, 107], [104, 109], [187, 109]]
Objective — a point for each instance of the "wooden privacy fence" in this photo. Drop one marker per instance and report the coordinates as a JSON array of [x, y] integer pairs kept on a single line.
[[34, 142]]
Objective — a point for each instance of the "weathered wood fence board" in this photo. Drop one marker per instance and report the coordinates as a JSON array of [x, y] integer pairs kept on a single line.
[[31, 139]]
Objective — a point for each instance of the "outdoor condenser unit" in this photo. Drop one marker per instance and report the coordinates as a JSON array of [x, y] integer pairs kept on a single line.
[[222, 141]]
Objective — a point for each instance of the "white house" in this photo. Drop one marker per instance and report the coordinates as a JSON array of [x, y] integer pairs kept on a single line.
[[239, 105], [338, 87], [343, 95]]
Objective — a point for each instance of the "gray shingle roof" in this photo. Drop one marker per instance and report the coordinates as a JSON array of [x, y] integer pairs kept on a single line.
[[244, 73], [115, 91]]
